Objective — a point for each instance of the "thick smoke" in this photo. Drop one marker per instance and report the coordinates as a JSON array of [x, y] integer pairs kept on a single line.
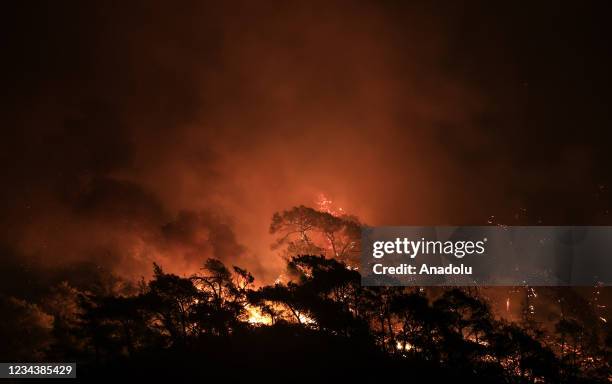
[[144, 132]]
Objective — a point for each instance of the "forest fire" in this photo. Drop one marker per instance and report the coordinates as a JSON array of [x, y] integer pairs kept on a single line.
[[255, 316], [184, 187]]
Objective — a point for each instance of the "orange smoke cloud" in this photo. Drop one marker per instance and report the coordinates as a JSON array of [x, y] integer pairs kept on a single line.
[[152, 133]]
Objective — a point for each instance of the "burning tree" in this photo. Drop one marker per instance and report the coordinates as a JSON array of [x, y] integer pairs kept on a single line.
[[307, 231]]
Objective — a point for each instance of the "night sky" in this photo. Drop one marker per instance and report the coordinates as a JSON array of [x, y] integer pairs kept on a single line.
[[135, 132]]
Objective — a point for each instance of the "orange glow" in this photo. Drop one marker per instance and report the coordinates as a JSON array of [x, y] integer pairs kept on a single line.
[[255, 316]]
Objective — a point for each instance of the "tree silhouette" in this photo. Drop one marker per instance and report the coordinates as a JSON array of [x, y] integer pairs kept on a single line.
[[305, 230], [321, 321]]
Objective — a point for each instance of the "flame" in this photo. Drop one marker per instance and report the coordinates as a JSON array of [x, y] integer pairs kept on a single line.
[[324, 204], [255, 316], [407, 347], [306, 320]]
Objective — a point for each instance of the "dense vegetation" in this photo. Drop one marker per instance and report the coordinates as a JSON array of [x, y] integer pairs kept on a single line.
[[323, 324], [319, 323]]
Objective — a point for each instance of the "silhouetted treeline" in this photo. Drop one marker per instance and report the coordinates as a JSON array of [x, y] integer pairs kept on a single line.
[[322, 324]]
